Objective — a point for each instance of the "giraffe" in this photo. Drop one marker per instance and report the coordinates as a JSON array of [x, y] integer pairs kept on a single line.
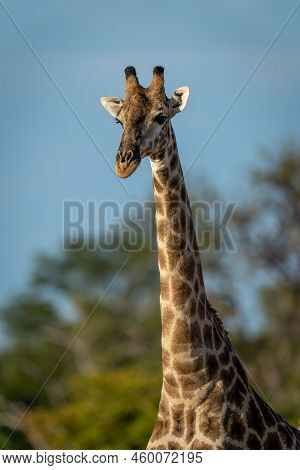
[[206, 399]]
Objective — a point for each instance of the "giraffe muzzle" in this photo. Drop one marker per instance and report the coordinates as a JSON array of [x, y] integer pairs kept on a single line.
[[127, 163]]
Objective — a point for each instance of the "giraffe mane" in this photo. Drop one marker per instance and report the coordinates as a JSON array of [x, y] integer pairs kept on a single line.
[[216, 317]]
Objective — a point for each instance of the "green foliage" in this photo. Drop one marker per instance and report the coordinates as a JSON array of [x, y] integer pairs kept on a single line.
[[98, 377], [109, 410]]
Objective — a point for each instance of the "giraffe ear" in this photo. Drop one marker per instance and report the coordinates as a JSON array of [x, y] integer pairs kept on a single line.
[[179, 100], [112, 104]]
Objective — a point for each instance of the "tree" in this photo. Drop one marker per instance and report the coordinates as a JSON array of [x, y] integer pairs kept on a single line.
[[269, 234]]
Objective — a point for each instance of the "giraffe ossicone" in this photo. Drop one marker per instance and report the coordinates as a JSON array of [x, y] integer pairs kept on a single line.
[[206, 400]]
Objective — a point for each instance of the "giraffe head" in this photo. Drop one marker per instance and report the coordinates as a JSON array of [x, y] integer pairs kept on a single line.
[[145, 115]]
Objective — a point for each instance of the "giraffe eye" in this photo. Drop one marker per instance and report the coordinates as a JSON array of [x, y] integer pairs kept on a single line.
[[118, 121], [160, 119]]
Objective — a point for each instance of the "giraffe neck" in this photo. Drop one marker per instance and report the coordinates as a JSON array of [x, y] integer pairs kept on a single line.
[[206, 399], [191, 333]]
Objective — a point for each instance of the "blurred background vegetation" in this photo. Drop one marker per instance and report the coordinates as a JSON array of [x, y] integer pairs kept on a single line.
[[103, 392]]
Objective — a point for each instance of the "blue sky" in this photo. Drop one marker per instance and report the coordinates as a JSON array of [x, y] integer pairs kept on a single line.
[[212, 46]]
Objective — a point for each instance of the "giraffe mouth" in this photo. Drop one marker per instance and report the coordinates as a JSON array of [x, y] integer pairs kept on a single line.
[[126, 169]]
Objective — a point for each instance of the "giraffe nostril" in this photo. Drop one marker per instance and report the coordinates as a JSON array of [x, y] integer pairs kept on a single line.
[[129, 156], [122, 157], [126, 158]]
